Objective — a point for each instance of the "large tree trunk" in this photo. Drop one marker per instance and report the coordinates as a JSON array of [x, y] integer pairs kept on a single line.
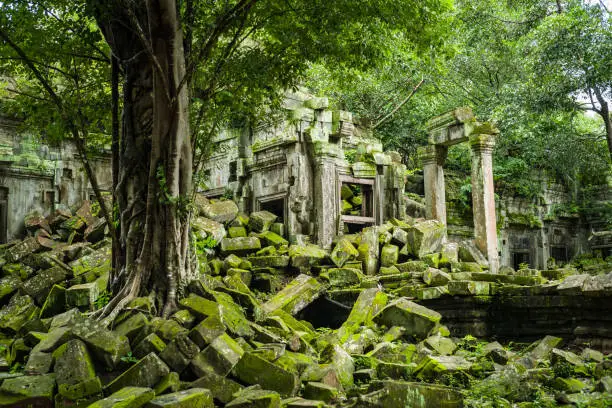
[[155, 156]]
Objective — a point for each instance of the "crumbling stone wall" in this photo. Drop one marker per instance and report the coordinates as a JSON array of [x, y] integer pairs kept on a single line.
[[35, 177]]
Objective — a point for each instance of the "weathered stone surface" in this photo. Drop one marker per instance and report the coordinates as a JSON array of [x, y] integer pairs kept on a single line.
[[252, 369], [343, 251], [466, 288], [38, 363], [147, 372], [401, 394], [204, 227], [256, 398], [39, 285], [220, 356], [306, 256], [191, 398], [237, 232], [389, 255], [342, 277], [295, 296], [442, 345], [22, 249], [55, 302], [128, 397], [572, 284], [273, 239], [106, 346], [82, 296], [435, 277], [36, 390], [19, 310], [199, 306], [368, 304], [150, 344], [222, 388], [539, 350], [73, 367], [275, 261], [261, 221], [207, 330], [221, 211], [417, 319], [8, 286], [426, 237], [179, 352], [240, 246], [433, 367]]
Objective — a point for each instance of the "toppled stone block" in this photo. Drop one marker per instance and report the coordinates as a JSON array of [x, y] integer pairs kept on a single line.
[[191, 398], [74, 370], [207, 330], [204, 227], [401, 394], [343, 252], [468, 252], [55, 302], [539, 350], [39, 285], [22, 249], [221, 388], [150, 344], [433, 367], [417, 319], [126, 397], [147, 372], [449, 253], [368, 304], [572, 285], [468, 288], [179, 352], [273, 239], [389, 255], [199, 306], [298, 294], [252, 397], [8, 286], [220, 356], [260, 221], [436, 277], [105, 345], [304, 257], [240, 246], [19, 310], [24, 391], [342, 277], [38, 363], [275, 261], [426, 237], [320, 391], [441, 345], [82, 296], [253, 369], [237, 232], [221, 211]]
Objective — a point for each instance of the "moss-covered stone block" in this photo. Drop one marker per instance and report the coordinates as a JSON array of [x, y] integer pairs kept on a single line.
[[207, 330], [433, 367], [106, 346], [191, 398], [436, 277], [55, 302], [319, 391], [25, 391], [19, 310], [274, 261], [298, 294], [260, 221], [389, 255], [22, 249], [270, 238], [179, 352], [133, 326], [342, 277], [220, 356], [73, 365], [199, 306], [469, 288], [417, 319], [170, 383], [305, 257], [38, 363], [343, 251], [253, 369], [128, 397], [240, 246], [401, 394], [82, 296], [147, 372], [39, 285], [152, 343], [222, 388], [426, 237], [256, 398]]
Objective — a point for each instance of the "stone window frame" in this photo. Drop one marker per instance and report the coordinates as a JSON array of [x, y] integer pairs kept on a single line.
[[358, 219], [274, 197]]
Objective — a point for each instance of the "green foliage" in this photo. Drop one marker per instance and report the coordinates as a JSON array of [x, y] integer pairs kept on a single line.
[[102, 300], [129, 358]]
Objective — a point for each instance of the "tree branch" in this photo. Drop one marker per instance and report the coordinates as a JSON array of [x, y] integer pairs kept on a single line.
[[398, 107]]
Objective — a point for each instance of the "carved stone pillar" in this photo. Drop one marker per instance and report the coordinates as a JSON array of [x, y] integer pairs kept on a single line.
[[433, 158], [325, 200], [483, 197]]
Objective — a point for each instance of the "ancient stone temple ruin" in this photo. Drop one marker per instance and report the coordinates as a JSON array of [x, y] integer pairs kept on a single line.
[[451, 128], [318, 171], [39, 177]]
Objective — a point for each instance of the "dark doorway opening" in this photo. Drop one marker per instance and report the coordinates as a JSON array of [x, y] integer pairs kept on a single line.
[[559, 254], [519, 259], [276, 207], [3, 215]]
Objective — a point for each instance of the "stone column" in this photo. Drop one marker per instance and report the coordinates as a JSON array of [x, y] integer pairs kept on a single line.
[[483, 197], [325, 200], [433, 158]]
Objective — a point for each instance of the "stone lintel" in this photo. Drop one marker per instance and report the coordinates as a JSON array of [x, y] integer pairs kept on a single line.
[[432, 154], [454, 117]]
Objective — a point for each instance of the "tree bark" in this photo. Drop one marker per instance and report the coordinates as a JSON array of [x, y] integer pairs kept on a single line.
[[155, 155], [604, 112]]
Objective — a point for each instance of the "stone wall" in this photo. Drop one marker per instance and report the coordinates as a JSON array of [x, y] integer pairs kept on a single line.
[[39, 177], [576, 312]]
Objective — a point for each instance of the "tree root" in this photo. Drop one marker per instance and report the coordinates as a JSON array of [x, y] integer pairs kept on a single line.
[[108, 313]]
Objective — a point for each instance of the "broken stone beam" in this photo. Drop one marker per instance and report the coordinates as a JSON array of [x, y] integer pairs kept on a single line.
[[298, 294]]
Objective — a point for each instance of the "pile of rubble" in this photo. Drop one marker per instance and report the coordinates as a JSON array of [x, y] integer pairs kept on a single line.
[[237, 339]]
